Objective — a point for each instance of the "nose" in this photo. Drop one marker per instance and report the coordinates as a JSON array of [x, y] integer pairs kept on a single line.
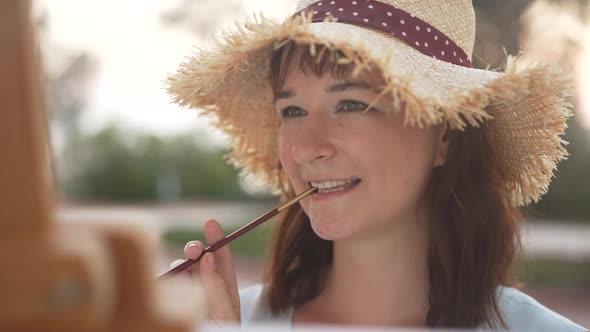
[[312, 143]]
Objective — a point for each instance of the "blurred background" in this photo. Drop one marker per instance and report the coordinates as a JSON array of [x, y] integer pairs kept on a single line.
[[123, 153]]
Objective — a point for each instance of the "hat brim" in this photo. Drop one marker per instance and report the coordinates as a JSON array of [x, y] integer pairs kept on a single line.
[[527, 104]]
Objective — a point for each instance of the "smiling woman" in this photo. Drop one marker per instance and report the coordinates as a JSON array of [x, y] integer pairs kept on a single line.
[[421, 163], [328, 133]]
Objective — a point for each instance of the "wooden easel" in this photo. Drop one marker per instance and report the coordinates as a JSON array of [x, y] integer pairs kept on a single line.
[[52, 278]]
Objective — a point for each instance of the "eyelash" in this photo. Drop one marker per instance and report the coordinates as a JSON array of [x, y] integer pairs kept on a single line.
[[285, 113]]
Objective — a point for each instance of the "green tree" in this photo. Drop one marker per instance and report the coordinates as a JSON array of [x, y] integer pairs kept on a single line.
[[121, 166]]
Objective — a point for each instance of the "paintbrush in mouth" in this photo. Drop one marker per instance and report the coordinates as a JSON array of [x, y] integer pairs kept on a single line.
[[212, 248]]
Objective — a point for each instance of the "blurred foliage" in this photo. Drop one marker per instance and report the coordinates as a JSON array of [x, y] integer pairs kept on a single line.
[[502, 30], [120, 165], [568, 198], [116, 165], [252, 244], [528, 270], [553, 272], [497, 32]]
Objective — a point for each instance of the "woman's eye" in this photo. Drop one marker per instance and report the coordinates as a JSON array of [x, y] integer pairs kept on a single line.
[[352, 106], [292, 112]]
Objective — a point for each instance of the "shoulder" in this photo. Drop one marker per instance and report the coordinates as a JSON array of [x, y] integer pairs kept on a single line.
[[523, 313], [253, 309]]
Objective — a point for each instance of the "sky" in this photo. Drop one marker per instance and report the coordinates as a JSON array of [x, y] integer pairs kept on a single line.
[[136, 51]]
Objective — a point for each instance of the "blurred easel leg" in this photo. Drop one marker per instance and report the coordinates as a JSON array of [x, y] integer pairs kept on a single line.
[[55, 279], [45, 283]]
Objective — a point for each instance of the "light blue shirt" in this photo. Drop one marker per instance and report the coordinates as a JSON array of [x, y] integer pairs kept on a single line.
[[521, 312]]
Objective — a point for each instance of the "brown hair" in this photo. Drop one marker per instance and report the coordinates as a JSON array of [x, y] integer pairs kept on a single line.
[[474, 232]]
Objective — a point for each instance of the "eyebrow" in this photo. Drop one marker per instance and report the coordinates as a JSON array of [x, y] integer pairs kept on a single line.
[[331, 89]]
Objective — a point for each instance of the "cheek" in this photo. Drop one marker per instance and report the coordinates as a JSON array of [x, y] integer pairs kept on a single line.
[[285, 155], [284, 150], [407, 163], [418, 163], [290, 167], [406, 183]]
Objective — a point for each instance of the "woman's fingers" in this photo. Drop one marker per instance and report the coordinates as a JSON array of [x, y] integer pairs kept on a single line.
[[223, 259], [217, 275], [193, 249], [188, 272], [222, 306]]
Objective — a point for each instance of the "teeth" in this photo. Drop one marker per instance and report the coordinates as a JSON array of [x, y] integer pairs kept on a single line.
[[331, 185]]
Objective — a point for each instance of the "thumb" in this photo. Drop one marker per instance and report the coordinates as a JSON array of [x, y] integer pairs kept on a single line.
[[222, 307]]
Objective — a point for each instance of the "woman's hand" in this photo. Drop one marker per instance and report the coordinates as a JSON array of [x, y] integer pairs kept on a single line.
[[217, 274]]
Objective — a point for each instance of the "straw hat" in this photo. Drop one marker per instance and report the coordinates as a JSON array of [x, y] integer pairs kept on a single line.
[[424, 50]]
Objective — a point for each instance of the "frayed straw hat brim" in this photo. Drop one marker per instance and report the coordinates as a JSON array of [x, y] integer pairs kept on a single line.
[[524, 108]]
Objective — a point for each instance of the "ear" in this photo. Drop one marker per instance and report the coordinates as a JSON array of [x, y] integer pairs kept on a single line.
[[442, 146]]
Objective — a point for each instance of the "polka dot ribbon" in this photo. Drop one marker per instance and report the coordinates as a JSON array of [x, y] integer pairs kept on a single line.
[[399, 23]]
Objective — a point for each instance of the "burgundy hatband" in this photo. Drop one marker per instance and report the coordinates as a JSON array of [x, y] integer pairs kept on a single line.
[[378, 15]]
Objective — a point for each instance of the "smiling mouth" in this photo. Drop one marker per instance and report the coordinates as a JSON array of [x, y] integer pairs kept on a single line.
[[325, 187]]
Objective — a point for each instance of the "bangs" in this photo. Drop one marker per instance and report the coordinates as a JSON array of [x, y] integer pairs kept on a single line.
[[315, 59]]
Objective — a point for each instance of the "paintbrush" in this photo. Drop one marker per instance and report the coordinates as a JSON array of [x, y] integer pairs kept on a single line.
[[212, 248]]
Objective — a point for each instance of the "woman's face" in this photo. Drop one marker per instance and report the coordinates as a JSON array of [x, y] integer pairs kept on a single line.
[[373, 170]]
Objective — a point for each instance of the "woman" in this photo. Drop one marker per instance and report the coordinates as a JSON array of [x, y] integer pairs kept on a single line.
[[421, 162]]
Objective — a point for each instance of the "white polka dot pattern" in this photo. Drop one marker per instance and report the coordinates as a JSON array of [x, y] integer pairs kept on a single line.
[[412, 30]]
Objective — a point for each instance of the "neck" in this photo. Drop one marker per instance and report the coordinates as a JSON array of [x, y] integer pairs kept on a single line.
[[380, 279]]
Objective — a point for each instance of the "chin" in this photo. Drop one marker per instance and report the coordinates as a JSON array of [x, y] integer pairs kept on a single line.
[[331, 229]]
